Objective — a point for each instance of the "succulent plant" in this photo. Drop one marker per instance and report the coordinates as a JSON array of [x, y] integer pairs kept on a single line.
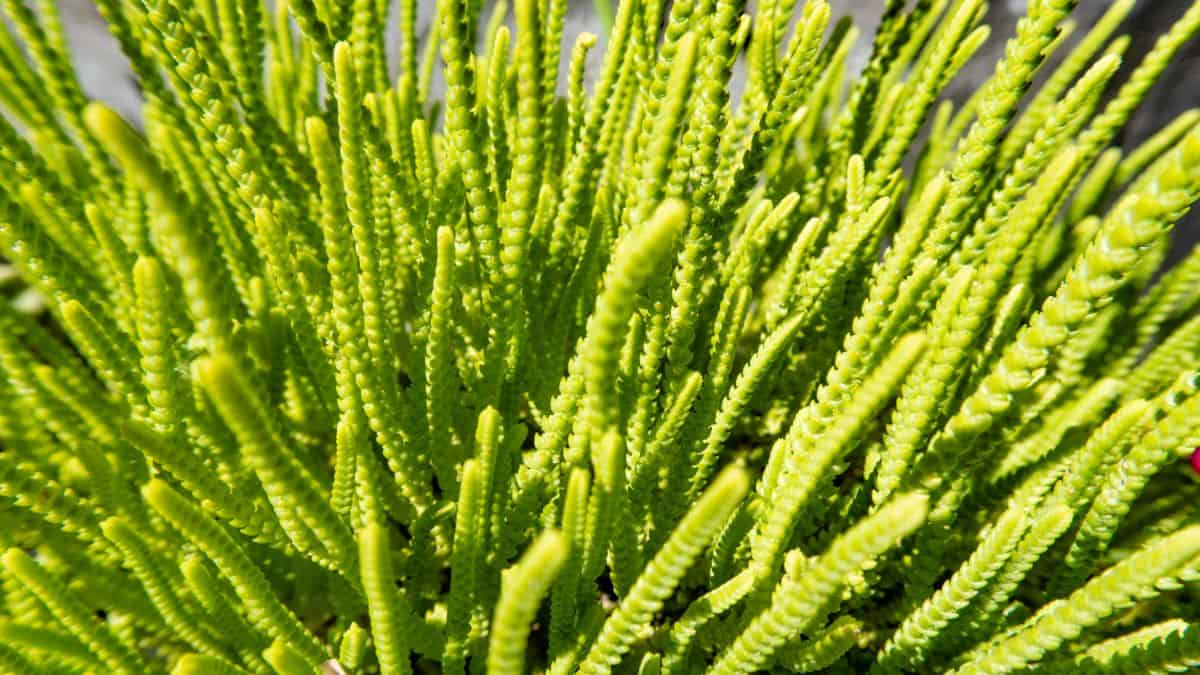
[[311, 373]]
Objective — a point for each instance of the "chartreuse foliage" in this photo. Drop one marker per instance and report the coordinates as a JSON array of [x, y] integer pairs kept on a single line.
[[593, 368]]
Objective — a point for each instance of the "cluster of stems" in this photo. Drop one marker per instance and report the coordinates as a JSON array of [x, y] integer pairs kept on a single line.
[[589, 366]]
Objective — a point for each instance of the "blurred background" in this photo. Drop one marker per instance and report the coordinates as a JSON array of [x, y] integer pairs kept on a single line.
[[105, 74]]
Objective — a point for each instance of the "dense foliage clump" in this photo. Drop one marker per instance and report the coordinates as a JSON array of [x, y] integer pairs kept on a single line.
[[314, 374]]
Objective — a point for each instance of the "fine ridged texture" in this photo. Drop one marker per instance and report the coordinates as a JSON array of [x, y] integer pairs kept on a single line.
[[522, 591], [1176, 651], [72, 614], [1133, 579], [691, 347], [795, 603], [665, 570]]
